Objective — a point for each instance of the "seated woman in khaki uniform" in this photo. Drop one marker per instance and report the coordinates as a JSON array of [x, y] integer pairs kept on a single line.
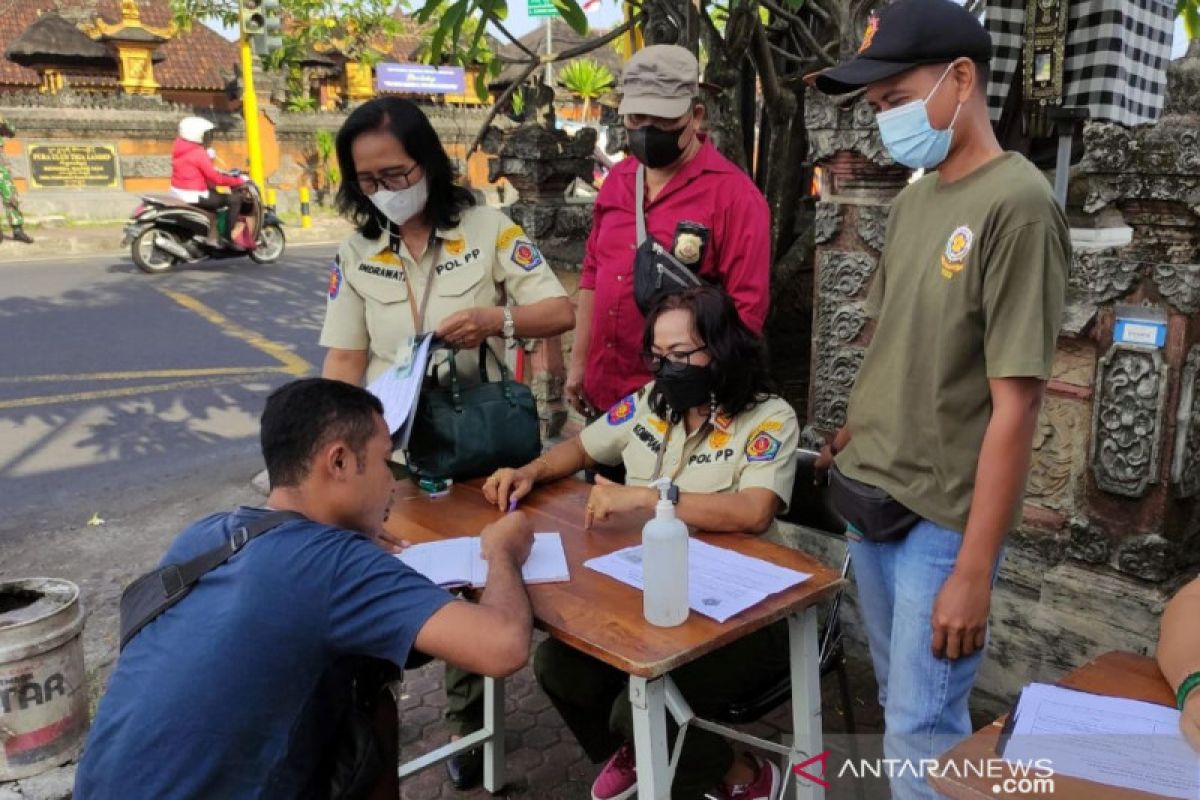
[[709, 422], [424, 258]]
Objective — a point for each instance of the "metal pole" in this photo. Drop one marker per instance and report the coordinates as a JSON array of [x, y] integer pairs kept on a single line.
[[549, 68], [250, 112]]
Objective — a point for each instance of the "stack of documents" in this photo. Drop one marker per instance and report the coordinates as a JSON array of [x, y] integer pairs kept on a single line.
[[399, 388], [1107, 740], [457, 562], [721, 583]]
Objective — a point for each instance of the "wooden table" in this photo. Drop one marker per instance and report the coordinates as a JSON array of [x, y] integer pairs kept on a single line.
[[1116, 674], [603, 618]]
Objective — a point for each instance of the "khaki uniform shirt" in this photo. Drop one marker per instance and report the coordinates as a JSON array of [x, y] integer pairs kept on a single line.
[[755, 449], [483, 261], [971, 286]]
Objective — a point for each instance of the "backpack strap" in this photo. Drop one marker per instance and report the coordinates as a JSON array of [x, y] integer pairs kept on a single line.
[[640, 202], [153, 593]]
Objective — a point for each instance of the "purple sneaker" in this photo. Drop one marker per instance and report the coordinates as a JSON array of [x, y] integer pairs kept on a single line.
[[618, 779], [765, 786]]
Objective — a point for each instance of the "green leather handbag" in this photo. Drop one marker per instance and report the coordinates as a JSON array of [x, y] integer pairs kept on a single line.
[[470, 432]]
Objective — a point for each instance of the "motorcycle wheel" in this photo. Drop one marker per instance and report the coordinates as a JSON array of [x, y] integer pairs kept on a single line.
[[270, 246], [148, 257]]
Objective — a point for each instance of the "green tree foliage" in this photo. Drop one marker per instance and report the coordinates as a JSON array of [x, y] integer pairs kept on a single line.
[[1190, 11], [361, 30], [587, 79]]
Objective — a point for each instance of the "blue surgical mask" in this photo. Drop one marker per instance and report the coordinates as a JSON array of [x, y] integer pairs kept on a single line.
[[911, 138]]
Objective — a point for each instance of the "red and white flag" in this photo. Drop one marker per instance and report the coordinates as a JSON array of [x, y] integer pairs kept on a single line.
[[590, 6]]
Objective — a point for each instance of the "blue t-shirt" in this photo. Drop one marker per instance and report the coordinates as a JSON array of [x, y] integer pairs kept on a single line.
[[226, 695]]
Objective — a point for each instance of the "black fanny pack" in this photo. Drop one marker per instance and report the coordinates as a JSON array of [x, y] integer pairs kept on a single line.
[[655, 270], [869, 510]]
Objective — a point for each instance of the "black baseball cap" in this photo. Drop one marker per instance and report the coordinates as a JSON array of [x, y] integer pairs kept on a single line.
[[907, 34]]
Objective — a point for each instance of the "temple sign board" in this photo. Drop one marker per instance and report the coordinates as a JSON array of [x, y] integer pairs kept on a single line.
[[69, 165]]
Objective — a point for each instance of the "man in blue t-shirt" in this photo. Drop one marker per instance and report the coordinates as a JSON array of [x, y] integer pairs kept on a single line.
[[235, 691]]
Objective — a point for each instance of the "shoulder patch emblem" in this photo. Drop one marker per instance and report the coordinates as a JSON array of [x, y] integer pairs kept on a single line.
[[958, 247], [507, 235], [526, 255], [454, 247], [335, 281], [622, 412], [762, 444]]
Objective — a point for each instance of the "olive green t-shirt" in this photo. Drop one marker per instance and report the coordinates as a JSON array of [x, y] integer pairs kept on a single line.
[[970, 286]]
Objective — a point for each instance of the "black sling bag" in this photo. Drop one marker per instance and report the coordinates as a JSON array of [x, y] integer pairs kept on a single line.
[[155, 592]]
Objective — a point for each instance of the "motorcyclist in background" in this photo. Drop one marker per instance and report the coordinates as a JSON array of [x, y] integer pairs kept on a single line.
[[193, 175]]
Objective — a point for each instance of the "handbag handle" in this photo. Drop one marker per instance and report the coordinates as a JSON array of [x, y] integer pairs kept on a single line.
[[456, 390]]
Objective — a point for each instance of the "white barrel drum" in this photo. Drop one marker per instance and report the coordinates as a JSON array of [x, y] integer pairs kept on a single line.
[[43, 687]]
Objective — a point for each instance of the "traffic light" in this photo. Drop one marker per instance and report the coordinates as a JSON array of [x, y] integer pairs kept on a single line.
[[253, 20], [273, 26]]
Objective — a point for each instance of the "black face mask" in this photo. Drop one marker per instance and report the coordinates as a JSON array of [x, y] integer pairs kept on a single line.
[[684, 386], [654, 147]]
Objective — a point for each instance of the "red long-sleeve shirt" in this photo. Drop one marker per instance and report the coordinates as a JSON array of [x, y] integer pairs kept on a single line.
[[710, 190], [193, 170]]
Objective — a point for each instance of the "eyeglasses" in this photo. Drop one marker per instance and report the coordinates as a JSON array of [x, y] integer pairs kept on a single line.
[[654, 362], [393, 179]]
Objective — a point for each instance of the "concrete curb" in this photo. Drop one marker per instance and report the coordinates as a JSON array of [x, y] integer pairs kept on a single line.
[[51, 244]]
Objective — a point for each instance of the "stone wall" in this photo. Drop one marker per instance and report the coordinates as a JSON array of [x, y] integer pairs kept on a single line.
[[143, 131]]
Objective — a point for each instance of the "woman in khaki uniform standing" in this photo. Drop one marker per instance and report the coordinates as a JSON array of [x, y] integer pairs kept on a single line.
[[425, 258]]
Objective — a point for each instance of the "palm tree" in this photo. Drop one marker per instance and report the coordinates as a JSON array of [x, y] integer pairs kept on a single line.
[[588, 79]]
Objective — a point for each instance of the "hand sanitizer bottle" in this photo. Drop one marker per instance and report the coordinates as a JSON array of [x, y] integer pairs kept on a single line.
[[665, 563]]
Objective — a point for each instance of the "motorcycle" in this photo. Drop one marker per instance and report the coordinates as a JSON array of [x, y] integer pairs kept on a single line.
[[165, 231]]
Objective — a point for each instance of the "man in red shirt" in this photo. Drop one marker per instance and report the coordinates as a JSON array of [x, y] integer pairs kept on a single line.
[[698, 204]]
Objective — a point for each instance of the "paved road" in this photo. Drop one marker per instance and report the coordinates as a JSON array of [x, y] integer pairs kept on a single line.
[[116, 386]]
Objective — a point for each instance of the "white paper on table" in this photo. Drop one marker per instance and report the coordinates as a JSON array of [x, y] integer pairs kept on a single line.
[[721, 582], [457, 562], [399, 388], [1108, 740]]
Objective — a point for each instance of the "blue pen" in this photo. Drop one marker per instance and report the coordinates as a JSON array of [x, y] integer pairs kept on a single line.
[[512, 505]]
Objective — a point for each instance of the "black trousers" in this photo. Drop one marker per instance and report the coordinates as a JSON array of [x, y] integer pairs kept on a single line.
[[593, 699], [215, 201]]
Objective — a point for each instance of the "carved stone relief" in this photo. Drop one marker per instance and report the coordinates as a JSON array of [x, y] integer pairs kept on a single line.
[[834, 379], [872, 226], [1059, 448], [1101, 276], [1185, 471], [1131, 389], [1149, 557], [1179, 285], [826, 225], [844, 273], [1075, 363]]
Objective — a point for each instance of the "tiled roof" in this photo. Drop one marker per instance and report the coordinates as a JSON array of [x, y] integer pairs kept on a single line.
[[195, 59]]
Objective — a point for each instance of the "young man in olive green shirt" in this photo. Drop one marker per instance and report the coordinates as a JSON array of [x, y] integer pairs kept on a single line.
[[968, 301]]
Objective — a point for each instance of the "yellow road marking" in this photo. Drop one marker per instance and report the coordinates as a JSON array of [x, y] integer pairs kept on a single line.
[[289, 364], [293, 364], [108, 394], [146, 374]]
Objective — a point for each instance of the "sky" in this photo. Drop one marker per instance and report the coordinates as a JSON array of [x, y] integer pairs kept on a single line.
[[608, 13]]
